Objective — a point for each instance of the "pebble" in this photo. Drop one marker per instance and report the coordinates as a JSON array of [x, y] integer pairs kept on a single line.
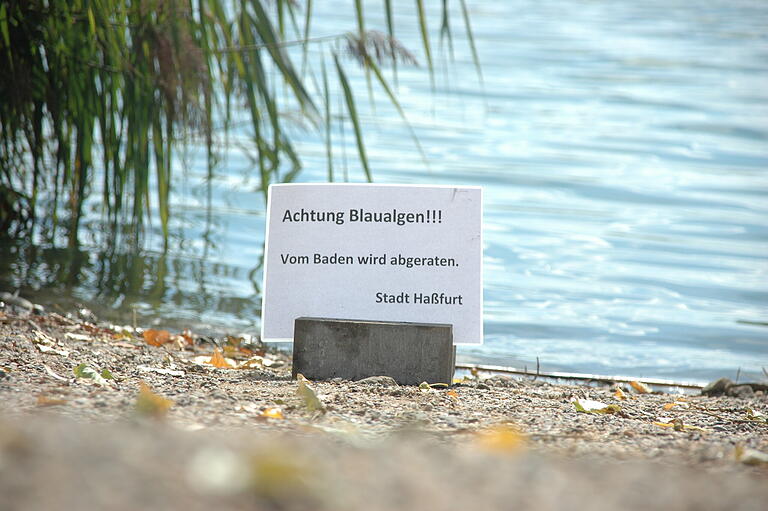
[[382, 381]]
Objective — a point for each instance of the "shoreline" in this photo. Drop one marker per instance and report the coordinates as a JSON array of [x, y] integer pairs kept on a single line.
[[406, 434]]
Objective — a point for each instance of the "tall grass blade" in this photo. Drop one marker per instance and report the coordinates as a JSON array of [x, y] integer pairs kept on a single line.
[[327, 104], [471, 38], [393, 99], [391, 34], [266, 32], [425, 40], [305, 46], [445, 29], [360, 16], [350, 100]]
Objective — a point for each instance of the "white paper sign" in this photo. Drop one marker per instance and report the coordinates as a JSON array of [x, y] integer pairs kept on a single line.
[[373, 252]]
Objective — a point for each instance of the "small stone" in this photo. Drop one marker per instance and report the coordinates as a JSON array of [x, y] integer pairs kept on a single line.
[[717, 388], [381, 381], [742, 391], [449, 422], [501, 381], [752, 457], [483, 386]]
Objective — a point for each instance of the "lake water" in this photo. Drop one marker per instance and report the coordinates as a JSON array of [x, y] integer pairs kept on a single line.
[[623, 151]]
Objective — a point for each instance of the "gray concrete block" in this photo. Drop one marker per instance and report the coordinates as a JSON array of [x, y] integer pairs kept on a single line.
[[411, 353]]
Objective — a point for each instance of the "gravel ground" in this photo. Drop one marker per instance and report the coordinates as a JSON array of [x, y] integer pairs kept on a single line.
[[198, 436]]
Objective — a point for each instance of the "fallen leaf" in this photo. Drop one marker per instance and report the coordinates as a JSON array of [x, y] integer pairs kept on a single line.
[[106, 374], [43, 338], [157, 337], [256, 361], [125, 345], [47, 401], [640, 388], [218, 360], [150, 404], [756, 415], [504, 438], [308, 396], [159, 370], [677, 425], [86, 372], [187, 336], [679, 404], [78, 337], [590, 406], [424, 387], [48, 349], [272, 362], [52, 374], [272, 413], [453, 395], [619, 394]]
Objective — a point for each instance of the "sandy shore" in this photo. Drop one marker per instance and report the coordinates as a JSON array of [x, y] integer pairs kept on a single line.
[[198, 436]]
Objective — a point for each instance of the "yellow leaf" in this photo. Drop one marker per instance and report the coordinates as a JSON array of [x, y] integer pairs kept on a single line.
[[272, 413], [453, 395], [150, 404], [157, 337], [677, 425], [218, 360], [255, 361], [679, 404], [311, 401], [590, 406], [504, 438], [47, 401], [619, 394], [640, 388]]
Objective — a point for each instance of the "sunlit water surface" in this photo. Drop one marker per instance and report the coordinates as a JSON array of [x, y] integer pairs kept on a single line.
[[623, 151]]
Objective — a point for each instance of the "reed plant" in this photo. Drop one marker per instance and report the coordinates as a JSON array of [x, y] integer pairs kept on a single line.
[[109, 90]]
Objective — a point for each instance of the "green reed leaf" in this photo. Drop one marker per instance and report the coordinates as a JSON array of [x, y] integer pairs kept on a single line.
[[350, 101]]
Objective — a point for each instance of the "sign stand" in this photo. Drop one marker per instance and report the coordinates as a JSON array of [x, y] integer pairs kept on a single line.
[[411, 353]]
